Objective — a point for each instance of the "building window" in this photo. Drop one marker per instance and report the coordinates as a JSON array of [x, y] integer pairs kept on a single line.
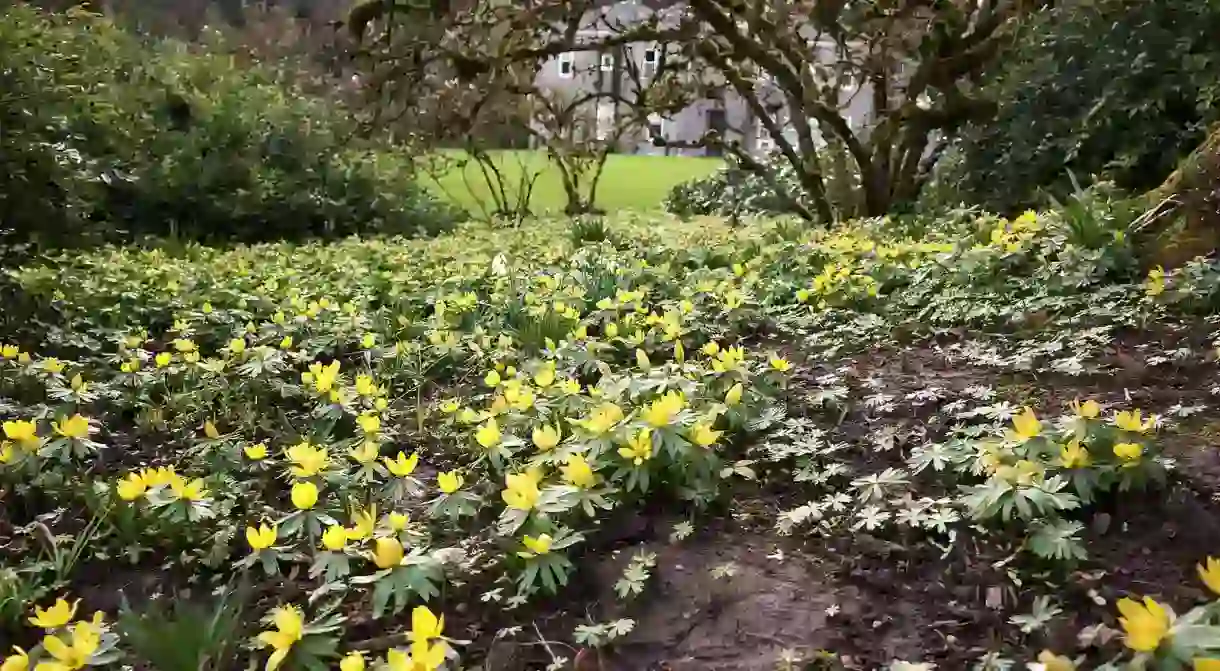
[[567, 64], [607, 62]]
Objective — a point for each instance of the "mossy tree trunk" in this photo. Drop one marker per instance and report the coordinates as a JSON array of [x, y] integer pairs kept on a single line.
[[1185, 209]]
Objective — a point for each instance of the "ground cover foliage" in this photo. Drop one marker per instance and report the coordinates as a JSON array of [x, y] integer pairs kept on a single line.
[[969, 442]]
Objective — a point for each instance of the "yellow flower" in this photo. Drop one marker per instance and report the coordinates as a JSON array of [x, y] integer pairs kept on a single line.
[[1205, 664], [402, 465], [131, 487], [780, 365], [237, 345], [398, 521], [603, 418], [387, 552], [1128, 452], [369, 423], [163, 359], [188, 491], [261, 538], [7, 453], [424, 657], [354, 661], [334, 538], [640, 448], [322, 378], [521, 492], [56, 616], [1146, 624], [569, 386], [286, 343], [449, 482], [289, 628], [612, 330], [366, 452], [209, 430], [368, 341], [18, 661], [183, 345], [307, 460], [733, 397], [450, 406], [23, 431], [365, 386], [1088, 410], [489, 434], [728, 359], [1154, 285], [425, 625], [1132, 421], [52, 365], [703, 435], [546, 437], [536, 546], [9, 351], [75, 655], [1211, 574], [491, 379], [522, 399], [75, 427], [1052, 662], [578, 472], [1026, 425], [304, 495], [660, 413], [363, 523], [545, 377], [256, 452], [159, 477], [1074, 455]]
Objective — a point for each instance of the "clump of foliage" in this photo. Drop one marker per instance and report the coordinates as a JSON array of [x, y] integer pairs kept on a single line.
[[731, 191], [110, 137], [1112, 88], [772, 188]]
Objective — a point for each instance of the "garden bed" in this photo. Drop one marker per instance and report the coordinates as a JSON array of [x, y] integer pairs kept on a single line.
[[682, 445]]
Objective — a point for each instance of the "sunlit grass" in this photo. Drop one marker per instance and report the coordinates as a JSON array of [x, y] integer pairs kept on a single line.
[[630, 181]]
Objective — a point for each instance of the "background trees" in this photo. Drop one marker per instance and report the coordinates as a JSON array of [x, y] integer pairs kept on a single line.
[[794, 64], [1105, 88]]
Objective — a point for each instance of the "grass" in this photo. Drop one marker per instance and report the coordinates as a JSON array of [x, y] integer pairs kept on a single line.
[[630, 182]]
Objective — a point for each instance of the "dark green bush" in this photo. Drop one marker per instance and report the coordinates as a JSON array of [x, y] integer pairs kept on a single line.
[[1108, 89], [733, 191], [108, 137]]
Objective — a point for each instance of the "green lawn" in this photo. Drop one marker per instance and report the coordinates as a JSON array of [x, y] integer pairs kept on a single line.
[[630, 182]]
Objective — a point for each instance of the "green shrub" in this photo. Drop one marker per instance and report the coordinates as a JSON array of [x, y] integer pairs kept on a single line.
[[735, 191], [1112, 89], [108, 137]]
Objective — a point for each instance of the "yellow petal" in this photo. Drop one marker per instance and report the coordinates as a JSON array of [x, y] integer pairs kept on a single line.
[[277, 658]]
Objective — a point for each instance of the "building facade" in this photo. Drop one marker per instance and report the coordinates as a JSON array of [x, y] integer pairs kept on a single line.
[[585, 72]]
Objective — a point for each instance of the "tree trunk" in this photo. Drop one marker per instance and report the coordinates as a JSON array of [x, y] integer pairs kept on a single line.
[[1185, 209]]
